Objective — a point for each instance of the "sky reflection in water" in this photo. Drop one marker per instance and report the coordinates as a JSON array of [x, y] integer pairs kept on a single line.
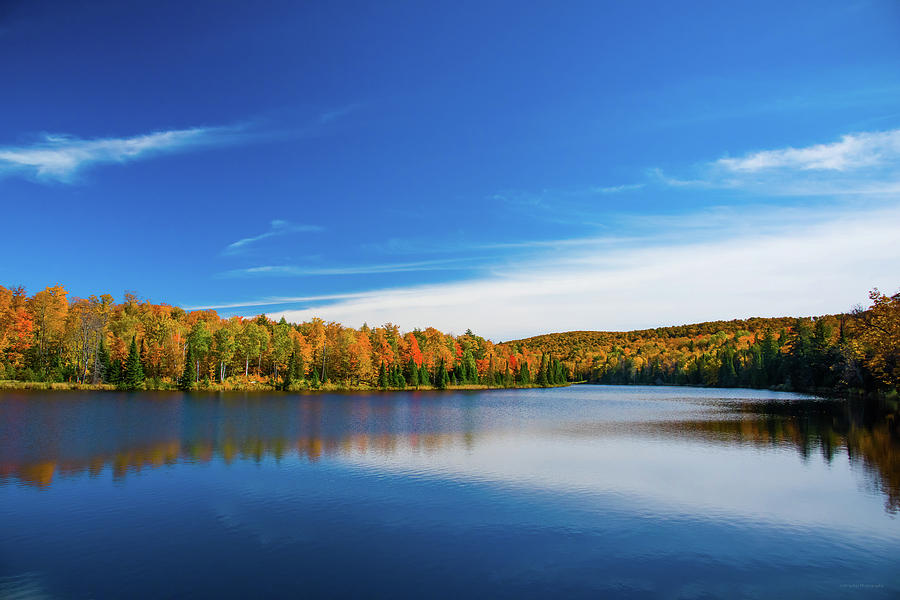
[[636, 491]]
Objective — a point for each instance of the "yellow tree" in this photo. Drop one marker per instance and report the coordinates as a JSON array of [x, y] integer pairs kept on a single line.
[[880, 332], [49, 309]]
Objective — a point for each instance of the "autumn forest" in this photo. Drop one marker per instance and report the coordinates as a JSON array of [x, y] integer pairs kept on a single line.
[[62, 341]]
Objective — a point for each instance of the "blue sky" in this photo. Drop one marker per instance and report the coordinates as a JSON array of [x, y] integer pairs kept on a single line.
[[511, 167]]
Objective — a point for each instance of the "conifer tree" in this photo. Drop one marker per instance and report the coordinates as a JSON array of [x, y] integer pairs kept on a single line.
[[314, 380], [542, 374], [440, 377], [134, 373], [288, 377], [114, 373], [524, 376], [186, 382], [382, 377], [424, 378], [103, 367], [412, 374]]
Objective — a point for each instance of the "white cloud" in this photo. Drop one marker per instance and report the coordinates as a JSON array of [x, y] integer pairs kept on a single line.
[[59, 157], [277, 227], [615, 189], [859, 164], [272, 300], [299, 271], [853, 151], [804, 269]]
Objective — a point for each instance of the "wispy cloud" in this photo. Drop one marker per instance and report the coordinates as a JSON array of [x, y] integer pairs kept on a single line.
[[275, 300], [805, 268], [552, 198], [615, 189], [853, 151], [61, 157], [866, 163], [337, 113], [301, 271], [277, 227]]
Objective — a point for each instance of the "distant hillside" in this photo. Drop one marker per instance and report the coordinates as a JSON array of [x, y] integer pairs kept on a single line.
[[598, 340], [829, 352]]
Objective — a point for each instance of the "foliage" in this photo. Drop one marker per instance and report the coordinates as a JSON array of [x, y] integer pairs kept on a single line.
[[52, 337]]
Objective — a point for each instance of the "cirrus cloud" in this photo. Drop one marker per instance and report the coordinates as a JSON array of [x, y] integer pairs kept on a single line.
[[60, 157]]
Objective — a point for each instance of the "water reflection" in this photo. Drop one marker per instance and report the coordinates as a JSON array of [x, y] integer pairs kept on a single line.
[[44, 437], [866, 431]]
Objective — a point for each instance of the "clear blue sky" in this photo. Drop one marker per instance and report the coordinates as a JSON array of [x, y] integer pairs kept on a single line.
[[514, 167]]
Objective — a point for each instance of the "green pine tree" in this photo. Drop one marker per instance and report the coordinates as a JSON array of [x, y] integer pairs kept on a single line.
[[186, 382], [114, 373], [134, 373], [314, 380], [441, 379], [412, 374], [542, 374], [288, 376], [103, 364], [382, 377], [524, 375]]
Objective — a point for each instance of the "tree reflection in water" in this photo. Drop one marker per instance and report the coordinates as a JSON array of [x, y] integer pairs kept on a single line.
[[64, 437]]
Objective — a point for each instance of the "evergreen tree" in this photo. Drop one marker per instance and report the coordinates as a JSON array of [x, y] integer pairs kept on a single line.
[[770, 354], [799, 358], [186, 382], [412, 374], [457, 376], [288, 376], [382, 377], [440, 377], [114, 373], [314, 380], [524, 376], [103, 367], [134, 373], [727, 374], [424, 378], [542, 374], [471, 369]]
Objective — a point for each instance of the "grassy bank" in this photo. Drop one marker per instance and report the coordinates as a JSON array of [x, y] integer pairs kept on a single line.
[[247, 386]]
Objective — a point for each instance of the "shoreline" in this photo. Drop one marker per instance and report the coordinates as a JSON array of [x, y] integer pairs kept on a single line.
[[12, 385]]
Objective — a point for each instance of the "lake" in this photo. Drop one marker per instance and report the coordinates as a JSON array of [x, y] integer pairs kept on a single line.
[[585, 491]]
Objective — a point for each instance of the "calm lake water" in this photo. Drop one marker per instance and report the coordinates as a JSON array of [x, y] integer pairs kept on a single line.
[[587, 491]]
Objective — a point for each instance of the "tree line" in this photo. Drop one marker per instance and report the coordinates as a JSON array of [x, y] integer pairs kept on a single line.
[[859, 350], [135, 344]]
